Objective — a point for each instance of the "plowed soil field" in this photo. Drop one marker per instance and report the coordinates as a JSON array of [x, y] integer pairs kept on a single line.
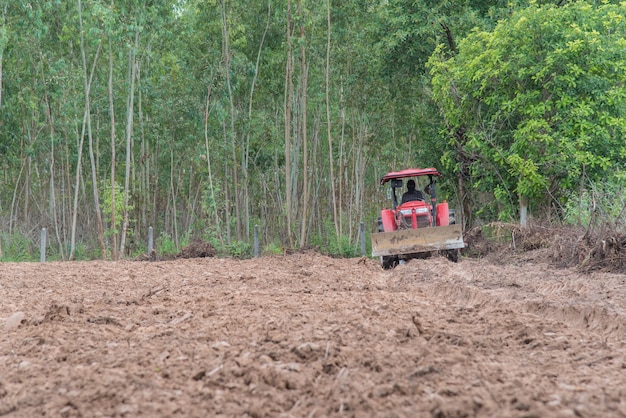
[[305, 335]]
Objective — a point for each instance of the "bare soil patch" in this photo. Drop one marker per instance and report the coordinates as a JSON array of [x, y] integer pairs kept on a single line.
[[306, 335]]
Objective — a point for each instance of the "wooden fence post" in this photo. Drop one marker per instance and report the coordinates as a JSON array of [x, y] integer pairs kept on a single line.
[[256, 241], [42, 249], [362, 233], [151, 252]]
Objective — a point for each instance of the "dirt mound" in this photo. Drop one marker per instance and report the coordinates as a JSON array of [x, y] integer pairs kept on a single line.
[[197, 249], [478, 245], [586, 250], [499, 240], [609, 253]]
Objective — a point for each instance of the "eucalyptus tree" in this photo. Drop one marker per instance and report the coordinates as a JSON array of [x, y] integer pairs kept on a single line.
[[21, 114], [35, 99], [3, 41], [109, 28], [87, 81], [209, 62], [195, 52], [541, 100], [331, 162], [135, 31], [287, 118]]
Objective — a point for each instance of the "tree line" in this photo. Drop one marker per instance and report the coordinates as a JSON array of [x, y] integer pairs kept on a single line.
[[203, 118]]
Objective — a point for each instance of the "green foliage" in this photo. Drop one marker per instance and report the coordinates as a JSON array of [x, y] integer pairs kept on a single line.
[[239, 249], [344, 246], [273, 248], [166, 245], [598, 204], [81, 252], [106, 203], [212, 234], [540, 99], [498, 232], [495, 209], [17, 247], [138, 249], [209, 205]]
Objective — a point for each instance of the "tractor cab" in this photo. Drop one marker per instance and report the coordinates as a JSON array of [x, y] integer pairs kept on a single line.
[[416, 225], [415, 210]]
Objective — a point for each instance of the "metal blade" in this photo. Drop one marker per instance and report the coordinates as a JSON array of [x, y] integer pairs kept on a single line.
[[409, 241]]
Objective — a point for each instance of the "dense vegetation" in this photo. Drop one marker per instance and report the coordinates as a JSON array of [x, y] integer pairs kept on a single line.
[[204, 118]]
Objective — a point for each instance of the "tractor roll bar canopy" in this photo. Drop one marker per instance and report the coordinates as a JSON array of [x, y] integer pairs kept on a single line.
[[409, 172]]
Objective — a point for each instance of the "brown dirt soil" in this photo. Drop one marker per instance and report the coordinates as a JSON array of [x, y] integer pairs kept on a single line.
[[305, 335], [198, 249]]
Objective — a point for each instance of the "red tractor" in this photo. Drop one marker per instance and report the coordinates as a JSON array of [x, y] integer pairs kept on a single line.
[[415, 226]]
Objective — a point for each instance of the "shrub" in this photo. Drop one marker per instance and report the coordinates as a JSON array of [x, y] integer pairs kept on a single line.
[[598, 204]]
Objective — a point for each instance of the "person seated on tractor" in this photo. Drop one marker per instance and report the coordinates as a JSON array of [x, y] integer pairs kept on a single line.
[[412, 193]]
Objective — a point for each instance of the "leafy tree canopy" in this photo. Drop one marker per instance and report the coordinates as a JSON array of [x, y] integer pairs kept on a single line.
[[540, 99]]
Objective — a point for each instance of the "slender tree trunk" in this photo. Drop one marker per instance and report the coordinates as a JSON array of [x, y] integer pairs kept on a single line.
[[96, 193], [305, 156], [140, 191], [67, 185], [94, 177], [227, 201], [154, 168], [287, 107], [77, 190], [53, 201], [52, 196], [463, 174], [523, 211], [80, 152], [14, 204], [278, 215], [314, 179], [360, 167], [232, 120], [145, 181], [208, 161], [2, 44], [145, 173], [246, 184], [29, 160], [132, 72], [114, 231], [174, 194], [331, 162], [340, 159], [354, 190]]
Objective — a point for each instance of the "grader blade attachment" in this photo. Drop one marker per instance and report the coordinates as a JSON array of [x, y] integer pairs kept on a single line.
[[410, 241]]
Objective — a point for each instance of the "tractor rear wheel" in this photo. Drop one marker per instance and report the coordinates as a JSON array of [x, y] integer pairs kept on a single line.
[[388, 262], [453, 255]]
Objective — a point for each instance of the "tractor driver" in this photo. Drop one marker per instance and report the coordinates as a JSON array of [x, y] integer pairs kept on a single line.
[[412, 193]]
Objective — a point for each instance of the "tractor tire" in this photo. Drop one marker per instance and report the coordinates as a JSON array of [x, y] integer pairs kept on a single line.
[[452, 255], [388, 262]]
